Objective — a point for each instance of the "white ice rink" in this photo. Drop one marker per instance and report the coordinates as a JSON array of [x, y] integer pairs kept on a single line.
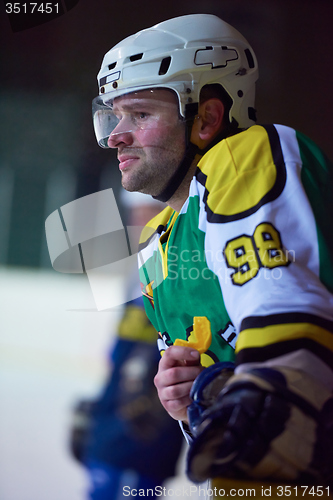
[[53, 352]]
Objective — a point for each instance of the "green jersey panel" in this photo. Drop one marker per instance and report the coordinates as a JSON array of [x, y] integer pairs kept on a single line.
[[184, 283]]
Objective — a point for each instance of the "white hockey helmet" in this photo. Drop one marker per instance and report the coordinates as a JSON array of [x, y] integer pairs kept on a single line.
[[182, 54]]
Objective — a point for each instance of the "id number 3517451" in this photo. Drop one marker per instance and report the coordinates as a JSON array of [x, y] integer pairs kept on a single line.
[[32, 7], [302, 491]]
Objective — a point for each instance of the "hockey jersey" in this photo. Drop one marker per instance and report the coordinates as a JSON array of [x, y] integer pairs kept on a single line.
[[250, 252]]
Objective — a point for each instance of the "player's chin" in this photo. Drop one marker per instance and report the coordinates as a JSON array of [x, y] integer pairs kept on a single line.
[[129, 182]]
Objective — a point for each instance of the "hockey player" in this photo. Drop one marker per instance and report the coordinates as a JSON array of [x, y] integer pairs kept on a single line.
[[241, 258]]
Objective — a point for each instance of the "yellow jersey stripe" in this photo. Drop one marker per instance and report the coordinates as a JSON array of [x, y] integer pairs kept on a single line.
[[262, 337]]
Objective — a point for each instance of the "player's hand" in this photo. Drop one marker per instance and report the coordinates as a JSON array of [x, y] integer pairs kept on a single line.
[[178, 368], [264, 423]]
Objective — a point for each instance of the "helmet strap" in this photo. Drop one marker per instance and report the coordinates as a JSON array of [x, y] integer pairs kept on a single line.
[[179, 175], [190, 153], [184, 166]]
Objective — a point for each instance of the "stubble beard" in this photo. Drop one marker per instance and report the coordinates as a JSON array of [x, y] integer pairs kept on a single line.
[[155, 169]]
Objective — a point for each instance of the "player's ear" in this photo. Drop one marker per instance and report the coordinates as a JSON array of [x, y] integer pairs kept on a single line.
[[208, 123]]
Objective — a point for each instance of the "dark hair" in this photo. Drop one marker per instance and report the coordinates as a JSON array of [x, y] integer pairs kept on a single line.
[[216, 91]]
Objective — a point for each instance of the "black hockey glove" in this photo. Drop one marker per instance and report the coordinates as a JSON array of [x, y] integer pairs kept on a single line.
[[80, 428], [265, 423]]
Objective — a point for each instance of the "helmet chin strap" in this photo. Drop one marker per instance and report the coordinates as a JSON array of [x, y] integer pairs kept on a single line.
[[179, 175], [190, 153]]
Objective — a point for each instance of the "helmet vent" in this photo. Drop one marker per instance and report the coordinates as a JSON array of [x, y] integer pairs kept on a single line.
[[165, 64], [113, 65], [136, 57], [249, 58]]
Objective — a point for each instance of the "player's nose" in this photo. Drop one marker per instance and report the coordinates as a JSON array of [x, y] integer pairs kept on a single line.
[[120, 134]]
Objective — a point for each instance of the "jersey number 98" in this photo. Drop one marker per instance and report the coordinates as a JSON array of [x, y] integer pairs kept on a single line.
[[247, 254]]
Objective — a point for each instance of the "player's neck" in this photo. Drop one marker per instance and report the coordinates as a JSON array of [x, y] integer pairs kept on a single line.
[[178, 199]]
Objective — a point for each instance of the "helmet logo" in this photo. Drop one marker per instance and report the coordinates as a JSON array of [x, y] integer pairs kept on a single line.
[[218, 57]]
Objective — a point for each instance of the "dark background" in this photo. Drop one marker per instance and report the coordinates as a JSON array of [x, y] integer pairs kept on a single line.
[[48, 154]]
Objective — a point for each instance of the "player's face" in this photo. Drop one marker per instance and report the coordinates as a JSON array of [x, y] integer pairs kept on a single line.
[[150, 139]]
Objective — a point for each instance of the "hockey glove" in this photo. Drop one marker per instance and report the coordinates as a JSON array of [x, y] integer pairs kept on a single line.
[[80, 428], [265, 423]]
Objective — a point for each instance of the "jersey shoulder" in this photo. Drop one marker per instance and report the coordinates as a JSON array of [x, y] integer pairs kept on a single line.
[[243, 172]]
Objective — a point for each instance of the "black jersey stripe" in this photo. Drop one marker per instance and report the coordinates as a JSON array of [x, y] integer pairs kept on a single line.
[[271, 351], [285, 318], [273, 193]]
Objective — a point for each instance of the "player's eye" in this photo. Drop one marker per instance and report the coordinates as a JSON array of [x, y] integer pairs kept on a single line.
[[140, 118], [141, 115]]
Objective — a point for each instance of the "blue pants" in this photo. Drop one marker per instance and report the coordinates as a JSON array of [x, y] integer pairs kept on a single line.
[[111, 483]]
